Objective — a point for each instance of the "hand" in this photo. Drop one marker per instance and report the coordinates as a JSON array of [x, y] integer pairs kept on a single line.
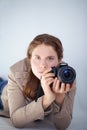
[[60, 89], [49, 95]]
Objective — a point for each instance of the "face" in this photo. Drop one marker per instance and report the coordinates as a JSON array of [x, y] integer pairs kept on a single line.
[[43, 57]]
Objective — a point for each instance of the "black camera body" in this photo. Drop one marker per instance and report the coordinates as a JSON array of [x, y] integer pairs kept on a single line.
[[65, 73]]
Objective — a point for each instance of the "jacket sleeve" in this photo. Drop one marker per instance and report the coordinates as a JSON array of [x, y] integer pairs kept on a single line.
[[62, 116], [21, 113]]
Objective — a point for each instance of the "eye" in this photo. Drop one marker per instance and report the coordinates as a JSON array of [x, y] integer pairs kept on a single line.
[[50, 58], [37, 57]]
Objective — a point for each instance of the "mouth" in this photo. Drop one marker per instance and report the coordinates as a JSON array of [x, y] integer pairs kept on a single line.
[[40, 72]]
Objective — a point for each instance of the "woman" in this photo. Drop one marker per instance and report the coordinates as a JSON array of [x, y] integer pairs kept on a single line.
[[26, 76]]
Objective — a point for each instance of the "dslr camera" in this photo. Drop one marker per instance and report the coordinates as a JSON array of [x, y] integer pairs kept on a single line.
[[64, 72]]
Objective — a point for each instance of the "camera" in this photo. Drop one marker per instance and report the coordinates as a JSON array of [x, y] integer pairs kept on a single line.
[[64, 72]]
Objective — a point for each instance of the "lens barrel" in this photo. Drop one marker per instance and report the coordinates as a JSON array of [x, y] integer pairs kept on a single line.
[[66, 74]]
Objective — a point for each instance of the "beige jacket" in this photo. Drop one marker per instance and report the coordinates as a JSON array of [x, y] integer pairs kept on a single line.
[[23, 111]]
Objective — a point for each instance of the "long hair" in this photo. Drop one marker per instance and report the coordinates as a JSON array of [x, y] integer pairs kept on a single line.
[[49, 40]]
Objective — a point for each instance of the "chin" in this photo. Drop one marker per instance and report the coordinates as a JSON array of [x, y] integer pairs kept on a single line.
[[38, 76]]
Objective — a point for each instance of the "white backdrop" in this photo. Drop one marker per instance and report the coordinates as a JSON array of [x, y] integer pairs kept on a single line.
[[22, 20]]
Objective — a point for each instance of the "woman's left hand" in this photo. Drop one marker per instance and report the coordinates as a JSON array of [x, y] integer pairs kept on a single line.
[[60, 89]]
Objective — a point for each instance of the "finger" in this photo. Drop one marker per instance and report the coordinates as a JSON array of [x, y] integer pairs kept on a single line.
[[47, 70], [50, 81], [73, 85], [62, 88], [67, 87], [47, 75], [47, 81], [56, 85]]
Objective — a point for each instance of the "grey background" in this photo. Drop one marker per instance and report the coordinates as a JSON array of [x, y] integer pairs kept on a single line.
[[22, 20]]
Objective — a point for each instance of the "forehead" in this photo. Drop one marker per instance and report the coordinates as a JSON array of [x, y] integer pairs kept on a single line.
[[44, 50]]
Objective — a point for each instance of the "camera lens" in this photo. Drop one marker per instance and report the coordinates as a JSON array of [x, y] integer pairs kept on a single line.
[[67, 74]]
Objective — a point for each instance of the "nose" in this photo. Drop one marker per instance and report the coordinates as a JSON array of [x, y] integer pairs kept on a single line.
[[43, 64]]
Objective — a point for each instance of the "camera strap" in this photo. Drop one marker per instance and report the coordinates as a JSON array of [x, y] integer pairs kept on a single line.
[[39, 93]]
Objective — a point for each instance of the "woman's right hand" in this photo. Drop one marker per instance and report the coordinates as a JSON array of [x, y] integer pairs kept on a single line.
[[49, 96]]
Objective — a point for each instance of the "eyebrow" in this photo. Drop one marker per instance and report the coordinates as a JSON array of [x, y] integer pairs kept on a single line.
[[46, 57]]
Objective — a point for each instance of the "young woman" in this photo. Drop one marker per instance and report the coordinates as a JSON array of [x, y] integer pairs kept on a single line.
[[18, 97]]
